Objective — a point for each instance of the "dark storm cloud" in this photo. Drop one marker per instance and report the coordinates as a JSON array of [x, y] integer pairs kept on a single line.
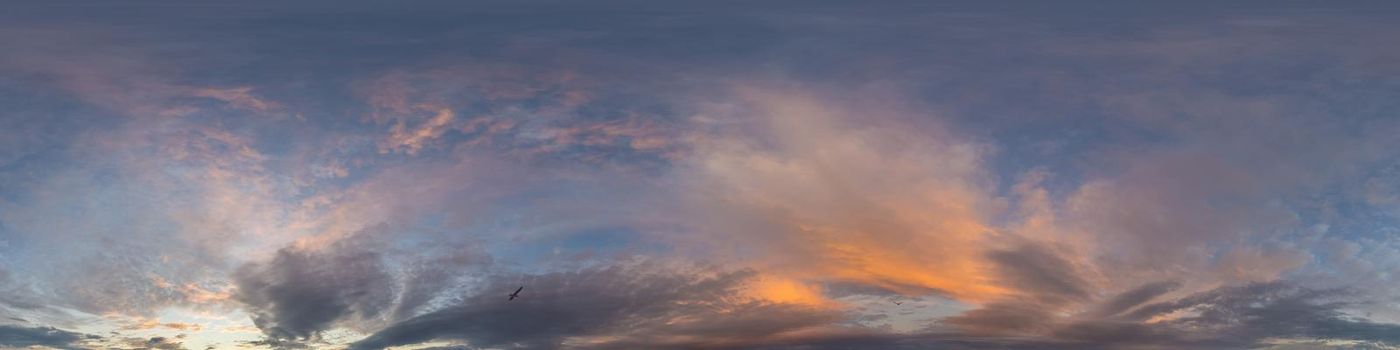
[[626, 306], [16, 336]]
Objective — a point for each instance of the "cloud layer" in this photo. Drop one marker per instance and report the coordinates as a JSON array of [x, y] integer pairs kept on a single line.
[[780, 175]]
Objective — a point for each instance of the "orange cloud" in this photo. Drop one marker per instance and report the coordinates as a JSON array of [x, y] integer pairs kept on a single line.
[[786, 291], [810, 193]]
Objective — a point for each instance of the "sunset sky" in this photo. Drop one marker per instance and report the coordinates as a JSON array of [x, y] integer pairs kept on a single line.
[[699, 175]]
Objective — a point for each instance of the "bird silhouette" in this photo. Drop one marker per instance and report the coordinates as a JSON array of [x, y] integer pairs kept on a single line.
[[516, 294], [898, 303]]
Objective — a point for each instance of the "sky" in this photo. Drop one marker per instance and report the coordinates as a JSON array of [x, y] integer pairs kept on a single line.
[[699, 175]]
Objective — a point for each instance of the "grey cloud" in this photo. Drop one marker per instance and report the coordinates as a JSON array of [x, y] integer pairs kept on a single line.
[[631, 306], [1134, 297], [847, 289], [1045, 282], [1040, 271], [152, 343], [1002, 318], [1224, 318], [13, 295], [1263, 310], [300, 293], [1235, 317], [941, 341], [16, 336], [361, 278], [275, 343], [164, 343]]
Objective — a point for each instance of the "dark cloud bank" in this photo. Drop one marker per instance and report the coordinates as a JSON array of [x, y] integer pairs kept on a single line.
[[19, 337]]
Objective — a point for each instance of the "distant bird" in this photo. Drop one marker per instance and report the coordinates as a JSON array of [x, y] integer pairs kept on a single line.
[[897, 303], [516, 294]]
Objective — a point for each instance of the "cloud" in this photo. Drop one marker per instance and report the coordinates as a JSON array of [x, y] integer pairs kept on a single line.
[[409, 141], [1041, 273], [798, 186], [1038, 179], [418, 106], [151, 323], [1258, 311], [1274, 315], [300, 293], [117, 71], [1004, 318], [618, 306], [1134, 297], [16, 336], [152, 343], [1044, 284], [238, 97], [533, 112], [357, 282], [1223, 318], [151, 210]]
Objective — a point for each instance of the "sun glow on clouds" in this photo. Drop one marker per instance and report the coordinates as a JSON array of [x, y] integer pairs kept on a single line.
[[823, 195], [781, 290], [1002, 183]]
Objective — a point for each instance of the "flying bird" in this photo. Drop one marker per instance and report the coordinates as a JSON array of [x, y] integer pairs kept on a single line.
[[516, 294], [898, 303]]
